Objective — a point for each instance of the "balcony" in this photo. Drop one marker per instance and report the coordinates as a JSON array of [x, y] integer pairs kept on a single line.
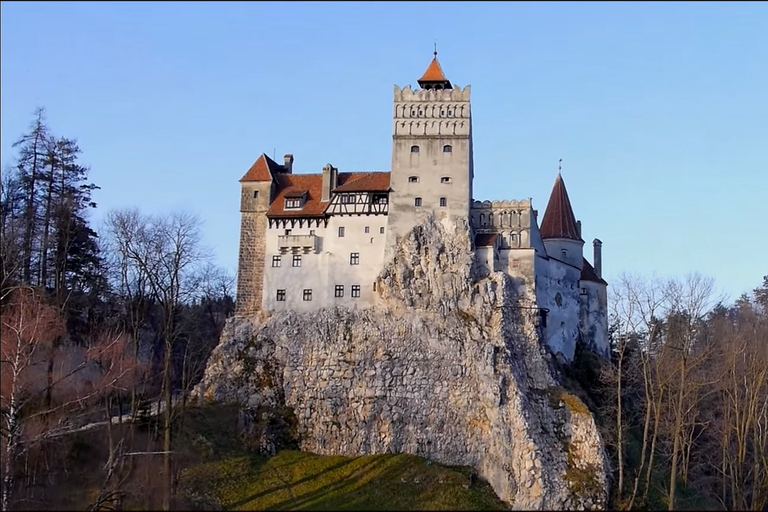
[[295, 243]]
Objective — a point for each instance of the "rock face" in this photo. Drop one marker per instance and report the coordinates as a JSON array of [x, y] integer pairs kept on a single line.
[[446, 367]]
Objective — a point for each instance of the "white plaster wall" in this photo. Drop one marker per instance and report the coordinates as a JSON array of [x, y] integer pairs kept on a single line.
[[593, 317], [574, 250], [555, 279], [329, 266]]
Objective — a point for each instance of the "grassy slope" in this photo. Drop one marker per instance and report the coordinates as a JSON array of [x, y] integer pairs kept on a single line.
[[221, 473]]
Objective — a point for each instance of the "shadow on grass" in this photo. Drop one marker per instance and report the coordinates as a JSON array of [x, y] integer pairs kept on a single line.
[[285, 485]]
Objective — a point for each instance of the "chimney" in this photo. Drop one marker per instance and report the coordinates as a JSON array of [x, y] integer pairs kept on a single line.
[[288, 165], [578, 228], [597, 245], [330, 178]]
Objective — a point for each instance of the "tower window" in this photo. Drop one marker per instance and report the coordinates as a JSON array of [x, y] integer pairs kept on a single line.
[[367, 229], [354, 258], [381, 230], [296, 262], [280, 295], [445, 179], [341, 231], [564, 253], [356, 290], [417, 201], [414, 149], [443, 202], [275, 261], [307, 294], [447, 148], [413, 179], [339, 290], [255, 194]]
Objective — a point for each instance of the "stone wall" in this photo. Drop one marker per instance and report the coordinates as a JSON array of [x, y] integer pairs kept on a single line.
[[250, 275], [448, 367]]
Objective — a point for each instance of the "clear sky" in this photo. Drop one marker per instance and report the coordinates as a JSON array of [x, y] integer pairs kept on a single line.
[[658, 110]]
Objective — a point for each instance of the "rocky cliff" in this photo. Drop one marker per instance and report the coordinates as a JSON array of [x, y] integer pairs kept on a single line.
[[449, 366]]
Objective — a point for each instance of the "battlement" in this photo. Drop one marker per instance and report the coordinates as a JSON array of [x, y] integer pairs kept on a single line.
[[505, 203], [426, 95]]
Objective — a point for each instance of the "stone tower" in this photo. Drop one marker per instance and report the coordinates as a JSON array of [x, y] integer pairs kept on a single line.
[[432, 165], [257, 187]]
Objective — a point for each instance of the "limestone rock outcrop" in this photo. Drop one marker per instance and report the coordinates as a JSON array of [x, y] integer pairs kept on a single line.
[[449, 366]]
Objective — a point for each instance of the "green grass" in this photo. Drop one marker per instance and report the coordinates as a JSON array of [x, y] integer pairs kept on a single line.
[[303, 481], [221, 472]]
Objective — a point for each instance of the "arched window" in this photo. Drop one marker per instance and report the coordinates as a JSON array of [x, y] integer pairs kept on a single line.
[[482, 220], [513, 240], [417, 201], [414, 149], [447, 148]]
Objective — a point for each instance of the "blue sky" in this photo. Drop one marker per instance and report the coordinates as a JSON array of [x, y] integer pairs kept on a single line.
[[658, 110]]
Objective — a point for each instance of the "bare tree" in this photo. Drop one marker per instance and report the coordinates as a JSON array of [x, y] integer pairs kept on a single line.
[[168, 253]]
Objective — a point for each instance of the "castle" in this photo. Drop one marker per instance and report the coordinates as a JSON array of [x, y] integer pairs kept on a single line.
[[310, 241]]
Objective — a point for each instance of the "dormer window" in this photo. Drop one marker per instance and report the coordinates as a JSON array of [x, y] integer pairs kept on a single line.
[[292, 203], [414, 149], [447, 148], [294, 200]]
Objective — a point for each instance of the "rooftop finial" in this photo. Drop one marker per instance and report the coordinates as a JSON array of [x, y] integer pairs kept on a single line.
[[559, 165], [435, 52]]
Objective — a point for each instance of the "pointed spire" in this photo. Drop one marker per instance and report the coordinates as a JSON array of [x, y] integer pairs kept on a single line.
[[433, 77], [559, 220]]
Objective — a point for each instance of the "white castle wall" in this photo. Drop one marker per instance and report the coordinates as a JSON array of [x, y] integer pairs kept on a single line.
[[329, 266]]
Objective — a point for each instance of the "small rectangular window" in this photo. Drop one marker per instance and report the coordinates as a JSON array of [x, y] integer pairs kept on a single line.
[[296, 260], [276, 261], [417, 201], [311, 232], [355, 291], [354, 258], [293, 203], [443, 202], [413, 179], [307, 294], [287, 232], [281, 295], [341, 231], [515, 263], [445, 179], [381, 230], [367, 229], [347, 199], [255, 194], [339, 290]]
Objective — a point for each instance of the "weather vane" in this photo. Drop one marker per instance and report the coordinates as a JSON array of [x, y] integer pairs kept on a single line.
[[435, 48], [559, 165]]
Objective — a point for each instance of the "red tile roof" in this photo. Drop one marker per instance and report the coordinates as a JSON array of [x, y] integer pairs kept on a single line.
[[485, 239], [263, 169], [588, 273], [289, 184], [363, 182], [559, 221], [434, 73]]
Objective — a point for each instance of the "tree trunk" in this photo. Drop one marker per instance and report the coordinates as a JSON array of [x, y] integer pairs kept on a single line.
[[167, 476]]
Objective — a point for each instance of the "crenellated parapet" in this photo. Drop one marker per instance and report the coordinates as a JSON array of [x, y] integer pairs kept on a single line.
[[427, 95], [509, 218]]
